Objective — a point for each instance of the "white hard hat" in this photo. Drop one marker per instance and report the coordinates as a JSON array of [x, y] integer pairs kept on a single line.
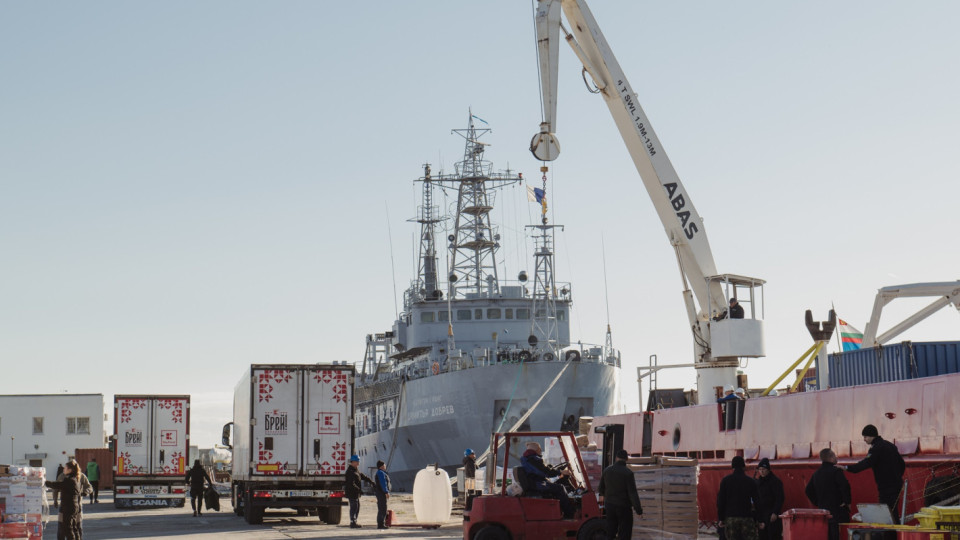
[[729, 388], [739, 390], [774, 393]]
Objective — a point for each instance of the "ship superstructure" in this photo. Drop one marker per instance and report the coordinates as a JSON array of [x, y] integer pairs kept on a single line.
[[476, 353]]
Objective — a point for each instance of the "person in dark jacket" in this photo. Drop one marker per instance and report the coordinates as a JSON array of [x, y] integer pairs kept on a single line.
[[829, 490], [195, 478], [770, 503], [618, 494], [381, 488], [736, 310], [353, 488], [887, 465], [470, 472], [736, 503], [56, 492], [538, 472], [70, 496]]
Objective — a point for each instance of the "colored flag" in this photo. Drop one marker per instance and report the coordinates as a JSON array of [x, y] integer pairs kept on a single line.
[[850, 337], [537, 195], [480, 119]]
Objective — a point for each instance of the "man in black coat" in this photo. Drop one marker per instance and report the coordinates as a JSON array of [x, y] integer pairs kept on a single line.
[[770, 503], [829, 490], [618, 494], [887, 465], [736, 503], [352, 489], [195, 478]]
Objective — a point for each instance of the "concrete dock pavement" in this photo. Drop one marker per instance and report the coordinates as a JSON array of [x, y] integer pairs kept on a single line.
[[103, 521]]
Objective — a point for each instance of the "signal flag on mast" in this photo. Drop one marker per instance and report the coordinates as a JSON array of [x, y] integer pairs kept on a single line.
[[537, 195]]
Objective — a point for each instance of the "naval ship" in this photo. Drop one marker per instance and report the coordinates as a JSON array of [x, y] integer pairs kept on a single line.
[[476, 353]]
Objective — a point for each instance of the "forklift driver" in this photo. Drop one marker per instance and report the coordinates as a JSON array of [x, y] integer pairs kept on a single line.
[[538, 472]]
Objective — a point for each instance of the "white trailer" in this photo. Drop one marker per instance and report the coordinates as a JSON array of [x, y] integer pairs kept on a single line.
[[151, 447], [293, 431]]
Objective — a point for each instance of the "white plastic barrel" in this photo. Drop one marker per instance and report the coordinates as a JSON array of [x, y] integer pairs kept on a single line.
[[432, 496]]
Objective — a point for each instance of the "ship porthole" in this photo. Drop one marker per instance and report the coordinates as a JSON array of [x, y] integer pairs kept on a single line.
[[676, 437]]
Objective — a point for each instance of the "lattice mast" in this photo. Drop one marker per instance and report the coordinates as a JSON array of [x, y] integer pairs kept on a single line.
[[544, 320], [474, 242]]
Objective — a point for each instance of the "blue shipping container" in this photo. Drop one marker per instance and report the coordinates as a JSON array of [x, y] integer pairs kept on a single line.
[[894, 362]]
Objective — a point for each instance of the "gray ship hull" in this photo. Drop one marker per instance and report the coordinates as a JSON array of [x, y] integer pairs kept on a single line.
[[439, 416]]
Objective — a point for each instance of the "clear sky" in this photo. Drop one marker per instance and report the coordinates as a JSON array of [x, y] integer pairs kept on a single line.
[[187, 188]]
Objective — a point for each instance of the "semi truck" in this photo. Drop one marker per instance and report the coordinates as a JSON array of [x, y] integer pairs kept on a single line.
[[151, 444], [292, 433]]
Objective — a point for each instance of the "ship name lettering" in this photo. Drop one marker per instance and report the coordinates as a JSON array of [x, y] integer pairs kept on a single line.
[[442, 410]]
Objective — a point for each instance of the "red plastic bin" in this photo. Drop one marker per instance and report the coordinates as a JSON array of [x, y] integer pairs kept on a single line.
[[805, 523]]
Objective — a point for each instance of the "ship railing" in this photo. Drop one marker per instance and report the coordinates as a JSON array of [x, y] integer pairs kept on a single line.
[[388, 384], [506, 289]]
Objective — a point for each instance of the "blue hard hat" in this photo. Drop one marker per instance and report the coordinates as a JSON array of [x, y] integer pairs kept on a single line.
[[467, 452], [355, 458]]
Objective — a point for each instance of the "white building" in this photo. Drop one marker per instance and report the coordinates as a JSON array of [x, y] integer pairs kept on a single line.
[[42, 430]]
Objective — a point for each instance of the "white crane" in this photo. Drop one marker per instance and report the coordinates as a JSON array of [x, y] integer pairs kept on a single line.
[[718, 344]]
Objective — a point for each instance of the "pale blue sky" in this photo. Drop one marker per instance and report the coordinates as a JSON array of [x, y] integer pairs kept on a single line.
[[186, 188]]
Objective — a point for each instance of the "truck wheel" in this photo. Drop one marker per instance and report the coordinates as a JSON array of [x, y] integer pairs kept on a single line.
[[491, 532], [592, 530], [252, 514], [330, 514]]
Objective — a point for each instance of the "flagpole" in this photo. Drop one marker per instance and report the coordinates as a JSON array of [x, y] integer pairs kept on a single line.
[[837, 329]]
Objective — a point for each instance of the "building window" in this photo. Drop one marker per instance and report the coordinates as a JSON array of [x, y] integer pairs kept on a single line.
[[463, 314], [443, 316], [493, 313], [78, 425], [38, 425], [508, 313], [426, 316], [523, 313]]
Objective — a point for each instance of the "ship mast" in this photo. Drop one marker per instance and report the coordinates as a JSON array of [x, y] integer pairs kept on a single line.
[[428, 216], [474, 242], [544, 320]]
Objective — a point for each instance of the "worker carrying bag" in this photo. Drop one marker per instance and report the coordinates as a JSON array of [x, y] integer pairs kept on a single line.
[[211, 499]]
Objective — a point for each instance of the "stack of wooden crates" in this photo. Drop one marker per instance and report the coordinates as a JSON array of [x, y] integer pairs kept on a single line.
[[667, 487]]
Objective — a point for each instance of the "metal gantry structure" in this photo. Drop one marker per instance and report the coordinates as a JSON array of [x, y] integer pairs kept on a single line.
[[474, 241]]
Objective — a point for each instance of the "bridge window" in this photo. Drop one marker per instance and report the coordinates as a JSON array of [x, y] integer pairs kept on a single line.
[[523, 313], [508, 313], [426, 316], [561, 315], [493, 313], [463, 314], [443, 316], [478, 314]]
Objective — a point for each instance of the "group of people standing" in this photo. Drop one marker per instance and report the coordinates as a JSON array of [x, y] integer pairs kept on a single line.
[[69, 489], [353, 489], [749, 509]]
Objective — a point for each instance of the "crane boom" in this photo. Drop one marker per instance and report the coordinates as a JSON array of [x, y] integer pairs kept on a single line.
[[682, 223]]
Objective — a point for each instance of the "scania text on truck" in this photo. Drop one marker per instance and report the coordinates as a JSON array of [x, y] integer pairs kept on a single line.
[[293, 430], [151, 446]]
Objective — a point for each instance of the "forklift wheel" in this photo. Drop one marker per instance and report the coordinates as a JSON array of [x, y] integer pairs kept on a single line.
[[491, 532], [592, 530]]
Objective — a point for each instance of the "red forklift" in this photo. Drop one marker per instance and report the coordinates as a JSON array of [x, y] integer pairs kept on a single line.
[[515, 511]]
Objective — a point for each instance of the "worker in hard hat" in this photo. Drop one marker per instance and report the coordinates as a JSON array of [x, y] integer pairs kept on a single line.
[[469, 472], [728, 394]]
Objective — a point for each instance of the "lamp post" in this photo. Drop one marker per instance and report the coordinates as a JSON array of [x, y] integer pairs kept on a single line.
[[11, 449]]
